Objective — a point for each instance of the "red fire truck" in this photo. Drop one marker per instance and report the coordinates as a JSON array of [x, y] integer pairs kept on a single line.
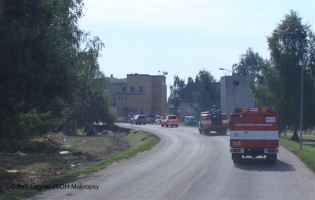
[[213, 120], [254, 132]]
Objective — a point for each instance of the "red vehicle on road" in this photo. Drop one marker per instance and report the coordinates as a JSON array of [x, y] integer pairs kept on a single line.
[[170, 120], [138, 119], [213, 120], [254, 132]]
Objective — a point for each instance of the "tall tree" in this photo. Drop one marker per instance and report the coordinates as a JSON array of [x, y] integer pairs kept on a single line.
[[292, 47], [208, 93], [91, 104], [249, 65], [190, 80], [176, 90], [42, 65]]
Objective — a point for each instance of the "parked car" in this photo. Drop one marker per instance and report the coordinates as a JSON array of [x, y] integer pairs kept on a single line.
[[190, 120], [158, 119], [170, 120], [138, 119]]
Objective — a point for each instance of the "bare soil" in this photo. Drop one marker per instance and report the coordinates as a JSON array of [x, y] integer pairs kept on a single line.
[[43, 160]]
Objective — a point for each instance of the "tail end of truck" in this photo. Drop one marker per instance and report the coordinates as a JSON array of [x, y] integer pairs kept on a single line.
[[254, 132]]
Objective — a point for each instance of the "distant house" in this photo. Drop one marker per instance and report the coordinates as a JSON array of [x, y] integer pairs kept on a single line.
[[187, 100], [138, 93]]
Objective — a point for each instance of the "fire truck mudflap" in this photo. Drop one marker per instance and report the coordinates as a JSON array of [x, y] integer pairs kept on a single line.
[[254, 132]]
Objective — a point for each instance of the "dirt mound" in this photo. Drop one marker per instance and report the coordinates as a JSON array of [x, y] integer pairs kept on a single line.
[[52, 143], [34, 152], [104, 129]]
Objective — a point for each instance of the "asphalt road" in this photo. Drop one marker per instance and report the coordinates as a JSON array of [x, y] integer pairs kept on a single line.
[[187, 165]]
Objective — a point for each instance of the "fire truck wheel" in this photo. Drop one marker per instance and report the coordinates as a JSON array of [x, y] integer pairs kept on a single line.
[[162, 125], [236, 157], [271, 158], [166, 125]]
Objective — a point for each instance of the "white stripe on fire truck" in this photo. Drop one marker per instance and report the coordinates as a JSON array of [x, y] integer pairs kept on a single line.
[[257, 135]]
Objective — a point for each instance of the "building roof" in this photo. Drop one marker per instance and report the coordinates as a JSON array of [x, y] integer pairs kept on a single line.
[[136, 74], [187, 92], [114, 80]]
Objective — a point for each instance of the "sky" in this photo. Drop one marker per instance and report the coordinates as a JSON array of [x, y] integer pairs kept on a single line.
[[182, 37]]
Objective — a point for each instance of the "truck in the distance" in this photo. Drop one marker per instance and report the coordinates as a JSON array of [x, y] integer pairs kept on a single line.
[[254, 132], [213, 120]]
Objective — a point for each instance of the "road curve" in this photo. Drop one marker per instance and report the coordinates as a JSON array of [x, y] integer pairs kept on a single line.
[[187, 165]]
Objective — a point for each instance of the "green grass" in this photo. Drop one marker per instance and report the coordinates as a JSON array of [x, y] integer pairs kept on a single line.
[[139, 142], [89, 144], [45, 161], [307, 154]]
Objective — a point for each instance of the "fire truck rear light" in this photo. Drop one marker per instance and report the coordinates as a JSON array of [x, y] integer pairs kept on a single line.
[[271, 150], [237, 150], [267, 109]]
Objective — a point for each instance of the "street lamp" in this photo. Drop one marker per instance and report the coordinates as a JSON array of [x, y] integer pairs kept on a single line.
[[302, 71], [226, 70]]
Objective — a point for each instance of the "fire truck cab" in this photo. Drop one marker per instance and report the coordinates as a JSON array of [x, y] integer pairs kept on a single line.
[[254, 132]]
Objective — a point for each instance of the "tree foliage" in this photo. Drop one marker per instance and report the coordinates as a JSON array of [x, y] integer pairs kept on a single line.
[[292, 48], [249, 65], [44, 71], [176, 90], [208, 93]]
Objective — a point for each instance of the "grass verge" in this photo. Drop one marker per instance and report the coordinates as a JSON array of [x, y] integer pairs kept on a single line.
[[307, 154], [140, 141]]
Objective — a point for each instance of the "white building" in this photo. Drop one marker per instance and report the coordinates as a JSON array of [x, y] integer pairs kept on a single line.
[[235, 93]]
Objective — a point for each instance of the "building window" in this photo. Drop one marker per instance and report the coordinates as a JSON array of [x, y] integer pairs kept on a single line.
[[140, 89], [124, 89], [119, 98], [132, 89], [236, 83]]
